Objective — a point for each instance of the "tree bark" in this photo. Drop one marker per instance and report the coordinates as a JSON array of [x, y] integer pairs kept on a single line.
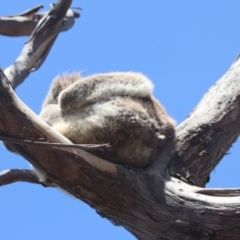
[[163, 201], [44, 29], [210, 130]]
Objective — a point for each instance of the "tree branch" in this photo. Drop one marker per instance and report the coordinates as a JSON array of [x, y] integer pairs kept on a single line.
[[211, 129], [232, 192], [37, 48], [149, 203], [23, 24], [57, 146], [18, 175]]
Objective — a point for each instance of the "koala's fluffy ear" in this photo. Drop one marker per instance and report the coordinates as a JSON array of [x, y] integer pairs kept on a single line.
[[60, 83]]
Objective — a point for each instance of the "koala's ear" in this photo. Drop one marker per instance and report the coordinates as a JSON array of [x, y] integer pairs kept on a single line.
[[58, 85]]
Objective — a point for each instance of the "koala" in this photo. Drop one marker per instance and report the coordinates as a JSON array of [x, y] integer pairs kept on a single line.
[[116, 108]]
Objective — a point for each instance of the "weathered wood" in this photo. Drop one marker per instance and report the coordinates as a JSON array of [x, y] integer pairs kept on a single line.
[[149, 205], [206, 135], [41, 40], [23, 24], [161, 201]]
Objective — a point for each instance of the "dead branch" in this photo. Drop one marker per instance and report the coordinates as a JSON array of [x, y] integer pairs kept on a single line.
[[229, 192], [20, 24], [150, 203], [18, 175], [37, 48], [211, 129], [133, 198], [57, 146], [23, 24]]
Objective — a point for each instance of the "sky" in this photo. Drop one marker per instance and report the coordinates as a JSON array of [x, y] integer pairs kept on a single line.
[[184, 47]]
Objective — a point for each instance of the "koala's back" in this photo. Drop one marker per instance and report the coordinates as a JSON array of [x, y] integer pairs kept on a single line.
[[113, 108]]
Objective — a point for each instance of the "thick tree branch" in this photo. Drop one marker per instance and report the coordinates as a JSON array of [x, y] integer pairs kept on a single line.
[[144, 204], [149, 203], [211, 129]]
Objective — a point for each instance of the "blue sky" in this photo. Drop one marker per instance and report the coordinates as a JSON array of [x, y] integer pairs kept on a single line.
[[183, 46]]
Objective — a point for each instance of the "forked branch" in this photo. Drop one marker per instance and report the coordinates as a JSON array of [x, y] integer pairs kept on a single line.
[[150, 204]]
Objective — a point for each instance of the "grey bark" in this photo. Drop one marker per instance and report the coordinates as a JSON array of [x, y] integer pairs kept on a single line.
[[164, 201], [36, 49], [210, 130], [23, 24]]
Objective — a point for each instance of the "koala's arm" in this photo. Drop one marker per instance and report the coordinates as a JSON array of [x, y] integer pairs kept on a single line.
[[103, 86]]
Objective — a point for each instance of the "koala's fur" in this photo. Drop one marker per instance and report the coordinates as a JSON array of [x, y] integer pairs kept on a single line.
[[115, 108]]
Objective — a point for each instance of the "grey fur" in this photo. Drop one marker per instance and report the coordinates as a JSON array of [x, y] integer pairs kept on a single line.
[[115, 108]]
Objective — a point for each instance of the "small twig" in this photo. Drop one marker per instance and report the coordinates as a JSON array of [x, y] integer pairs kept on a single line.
[[18, 175], [53, 145], [230, 192]]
